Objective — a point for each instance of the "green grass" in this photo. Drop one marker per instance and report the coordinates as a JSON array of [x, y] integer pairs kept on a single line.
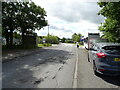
[[44, 45], [40, 45]]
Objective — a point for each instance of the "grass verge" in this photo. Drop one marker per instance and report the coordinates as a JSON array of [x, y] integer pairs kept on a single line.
[[44, 45]]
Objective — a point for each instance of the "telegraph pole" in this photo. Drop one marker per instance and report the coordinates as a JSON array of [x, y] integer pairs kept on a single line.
[[48, 33], [48, 30]]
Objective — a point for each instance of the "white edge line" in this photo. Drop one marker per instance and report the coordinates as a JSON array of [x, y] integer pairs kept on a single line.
[[75, 73]]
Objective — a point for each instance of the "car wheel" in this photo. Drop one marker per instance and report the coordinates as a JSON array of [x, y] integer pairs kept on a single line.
[[88, 58], [95, 69]]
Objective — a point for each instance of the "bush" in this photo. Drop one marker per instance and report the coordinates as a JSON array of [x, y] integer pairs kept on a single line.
[[47, 44], [52, 39], [69, 41]]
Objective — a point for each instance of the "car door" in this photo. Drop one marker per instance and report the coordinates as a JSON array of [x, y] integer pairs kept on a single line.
[[93, 52]]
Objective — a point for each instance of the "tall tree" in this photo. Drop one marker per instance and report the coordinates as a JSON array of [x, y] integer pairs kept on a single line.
[[52, 39], [111, 26], [8, 21], [31, 17], [22, 16], [76, 37], [63, 40]]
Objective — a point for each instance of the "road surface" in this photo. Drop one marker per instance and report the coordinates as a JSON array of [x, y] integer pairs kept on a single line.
[[55, 67], [52, 67]]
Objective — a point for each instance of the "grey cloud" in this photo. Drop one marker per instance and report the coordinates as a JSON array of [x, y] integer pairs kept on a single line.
[[62, 29], [68, 31], [77, 11], [54, 27]]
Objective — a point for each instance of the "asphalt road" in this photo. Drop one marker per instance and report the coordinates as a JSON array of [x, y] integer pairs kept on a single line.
[[54, 67]]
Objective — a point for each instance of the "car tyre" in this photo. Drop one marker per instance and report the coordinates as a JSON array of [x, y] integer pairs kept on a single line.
[[95, 69], [88, 58]]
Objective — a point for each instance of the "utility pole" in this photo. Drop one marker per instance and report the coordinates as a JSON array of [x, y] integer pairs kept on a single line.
[[48, 33], [48, 30]]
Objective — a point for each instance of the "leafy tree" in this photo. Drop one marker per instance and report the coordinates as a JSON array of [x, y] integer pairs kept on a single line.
[[58, 37], [63, 40], [8, 21], [76, 37], [31, 17], [52, 39], [111, 26], [111, 30], [22, 16], [17, 35], [69, 41]]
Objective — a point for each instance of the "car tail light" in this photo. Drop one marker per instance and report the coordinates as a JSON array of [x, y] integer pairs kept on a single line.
[[101, 55], [101, 69]]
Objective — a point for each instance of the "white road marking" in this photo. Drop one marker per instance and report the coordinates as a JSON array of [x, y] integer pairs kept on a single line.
[[76, 70]]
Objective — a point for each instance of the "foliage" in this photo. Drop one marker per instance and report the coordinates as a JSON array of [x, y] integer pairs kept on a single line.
[[21, 16], [63, 40], [44, 45], [111, 26], [47, 44], [111, 30], [31, 16], [8, 21], [69, 41], [17, 35], [76, 37], [52, 39]]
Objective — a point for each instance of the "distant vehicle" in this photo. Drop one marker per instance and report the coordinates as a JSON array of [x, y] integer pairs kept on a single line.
[[92, 37], [105, 58]]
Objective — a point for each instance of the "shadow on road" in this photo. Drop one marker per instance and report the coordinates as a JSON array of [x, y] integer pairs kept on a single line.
[[19, 73], [111, 79], [55, 56]]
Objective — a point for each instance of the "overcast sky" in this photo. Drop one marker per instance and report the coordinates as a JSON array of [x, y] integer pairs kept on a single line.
[[66, 17]]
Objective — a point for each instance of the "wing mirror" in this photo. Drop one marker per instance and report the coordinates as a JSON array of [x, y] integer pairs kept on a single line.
[[92, 49]]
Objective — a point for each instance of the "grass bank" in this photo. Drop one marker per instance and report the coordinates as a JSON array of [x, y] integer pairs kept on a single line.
[[44, 45]]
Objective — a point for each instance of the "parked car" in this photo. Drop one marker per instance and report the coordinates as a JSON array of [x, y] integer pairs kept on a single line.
[[105, 58]]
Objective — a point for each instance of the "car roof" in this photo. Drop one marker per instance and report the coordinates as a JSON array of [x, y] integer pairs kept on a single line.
[[107, 44]]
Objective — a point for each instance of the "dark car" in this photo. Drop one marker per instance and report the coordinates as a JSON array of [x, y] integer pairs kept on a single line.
[[105, 58]]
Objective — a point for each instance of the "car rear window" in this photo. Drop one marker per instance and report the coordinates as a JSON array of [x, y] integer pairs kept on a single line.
[[111, 48]]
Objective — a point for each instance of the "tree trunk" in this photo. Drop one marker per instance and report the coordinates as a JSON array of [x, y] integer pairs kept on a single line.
[[23, 37], [7, 38], [11, 38]]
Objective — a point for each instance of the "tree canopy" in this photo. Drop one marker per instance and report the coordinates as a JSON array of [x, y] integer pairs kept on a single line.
[[24, 17], [52, 39], [76, 37], [111, 26]]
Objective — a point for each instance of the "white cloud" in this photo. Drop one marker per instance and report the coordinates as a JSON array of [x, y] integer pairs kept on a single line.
[[66, 17]]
